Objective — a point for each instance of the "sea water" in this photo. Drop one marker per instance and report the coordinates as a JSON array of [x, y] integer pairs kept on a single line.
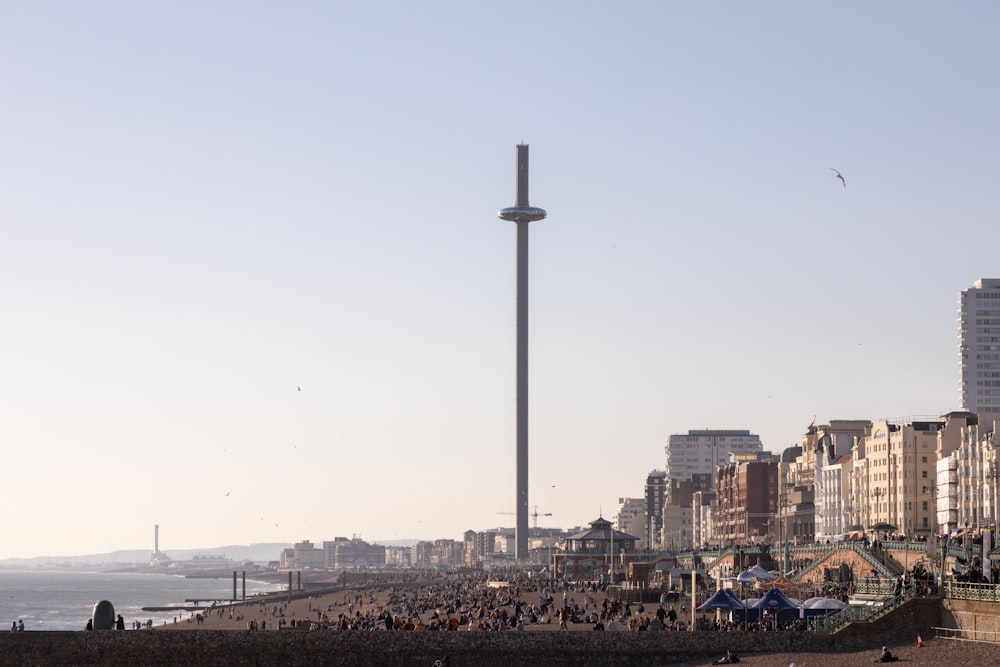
[[64, 600]]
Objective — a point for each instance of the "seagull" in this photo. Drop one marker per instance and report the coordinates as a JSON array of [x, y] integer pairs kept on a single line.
[[839, 176]]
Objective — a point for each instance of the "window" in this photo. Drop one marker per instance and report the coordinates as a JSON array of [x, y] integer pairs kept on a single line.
[[923, 473]]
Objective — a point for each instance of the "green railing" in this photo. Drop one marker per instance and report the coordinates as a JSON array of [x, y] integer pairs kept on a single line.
[[865, 613], [958, 590]]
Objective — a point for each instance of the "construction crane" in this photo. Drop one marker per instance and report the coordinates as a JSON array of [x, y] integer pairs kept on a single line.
[[534, 516]]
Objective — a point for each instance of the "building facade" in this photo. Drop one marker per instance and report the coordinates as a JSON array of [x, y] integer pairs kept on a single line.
[[746, 499], [631, 517], [979, 348], [701, 452], [351, 554], [894, 473], [655, 495]]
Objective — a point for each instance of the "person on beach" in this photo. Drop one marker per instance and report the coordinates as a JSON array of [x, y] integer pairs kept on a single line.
[[886, 655], [20, 625], [728, 659]]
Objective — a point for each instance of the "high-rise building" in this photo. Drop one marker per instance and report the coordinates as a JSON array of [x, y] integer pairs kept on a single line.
[[701, 452], [656, 493], [979, 348]]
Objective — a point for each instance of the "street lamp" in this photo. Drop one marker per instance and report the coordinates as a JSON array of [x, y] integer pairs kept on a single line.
[[878, 506]]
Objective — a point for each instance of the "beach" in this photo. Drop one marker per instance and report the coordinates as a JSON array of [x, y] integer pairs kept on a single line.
[[307, 629]]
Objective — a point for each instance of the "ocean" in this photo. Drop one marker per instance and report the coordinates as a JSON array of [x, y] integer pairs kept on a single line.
[[64, 600]]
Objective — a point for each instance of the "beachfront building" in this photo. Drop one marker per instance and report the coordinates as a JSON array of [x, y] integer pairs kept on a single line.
[[630, 517], [446, 554], [480, 546], [420, 553], [970, 488], [351, 554], [398, 557], [894, 470], [825, 463], [746, 499], [979, 348], [702, 452], [701, 519], [596, 552], [678, 532], [655, 495], [303, 555]]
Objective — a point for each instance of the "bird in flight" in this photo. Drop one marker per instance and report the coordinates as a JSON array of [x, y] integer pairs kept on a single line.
[[300, 388], [839, 176]]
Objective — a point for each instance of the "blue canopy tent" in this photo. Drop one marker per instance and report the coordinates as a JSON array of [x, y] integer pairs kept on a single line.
[[722, 599], [777, 604]]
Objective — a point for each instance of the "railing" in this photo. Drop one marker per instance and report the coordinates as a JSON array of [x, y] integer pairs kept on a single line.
[[967, 635], [875, 586], [865, 613], [959, 590]]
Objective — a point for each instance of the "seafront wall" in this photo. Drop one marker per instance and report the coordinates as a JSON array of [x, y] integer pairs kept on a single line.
[[295, 648]]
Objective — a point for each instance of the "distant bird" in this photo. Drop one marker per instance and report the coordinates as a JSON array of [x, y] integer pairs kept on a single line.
[[839, 176], [300, 388], [227, 494]]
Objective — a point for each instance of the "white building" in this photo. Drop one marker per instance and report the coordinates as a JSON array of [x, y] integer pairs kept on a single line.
[[631, 517], [701, 452], [979, 348]]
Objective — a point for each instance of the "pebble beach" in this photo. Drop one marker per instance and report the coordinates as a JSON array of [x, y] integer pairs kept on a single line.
[[223, 637]]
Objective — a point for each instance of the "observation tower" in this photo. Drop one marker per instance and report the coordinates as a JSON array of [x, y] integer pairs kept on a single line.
[[521, 214]]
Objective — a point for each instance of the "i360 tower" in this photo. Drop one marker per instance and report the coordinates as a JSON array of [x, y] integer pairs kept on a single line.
[[521, 214]]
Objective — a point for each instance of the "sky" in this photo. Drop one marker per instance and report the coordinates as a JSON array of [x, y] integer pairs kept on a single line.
[[253, 285]]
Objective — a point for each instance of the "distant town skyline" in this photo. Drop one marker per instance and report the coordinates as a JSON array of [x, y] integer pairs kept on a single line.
[[256, 289]]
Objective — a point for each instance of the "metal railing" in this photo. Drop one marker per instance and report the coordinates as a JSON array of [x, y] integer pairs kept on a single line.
[[865, 613], [967, 635], [960, 590]]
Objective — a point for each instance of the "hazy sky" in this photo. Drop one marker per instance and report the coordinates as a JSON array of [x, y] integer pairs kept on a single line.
[[208, 205]]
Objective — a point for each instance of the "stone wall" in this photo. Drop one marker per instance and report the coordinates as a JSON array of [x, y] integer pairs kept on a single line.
[[975, 620], [291, 648]]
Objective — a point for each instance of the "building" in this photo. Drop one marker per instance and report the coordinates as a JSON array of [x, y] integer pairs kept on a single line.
[[595, 552], [746, 499], [481, 546], [631, 517], [894, 471], [351, 554], [701, 452], [655, 495], [702, 504], [979, 348], [678, 531], [302, 555], [398, 557], [827, 458], [968, 479]]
